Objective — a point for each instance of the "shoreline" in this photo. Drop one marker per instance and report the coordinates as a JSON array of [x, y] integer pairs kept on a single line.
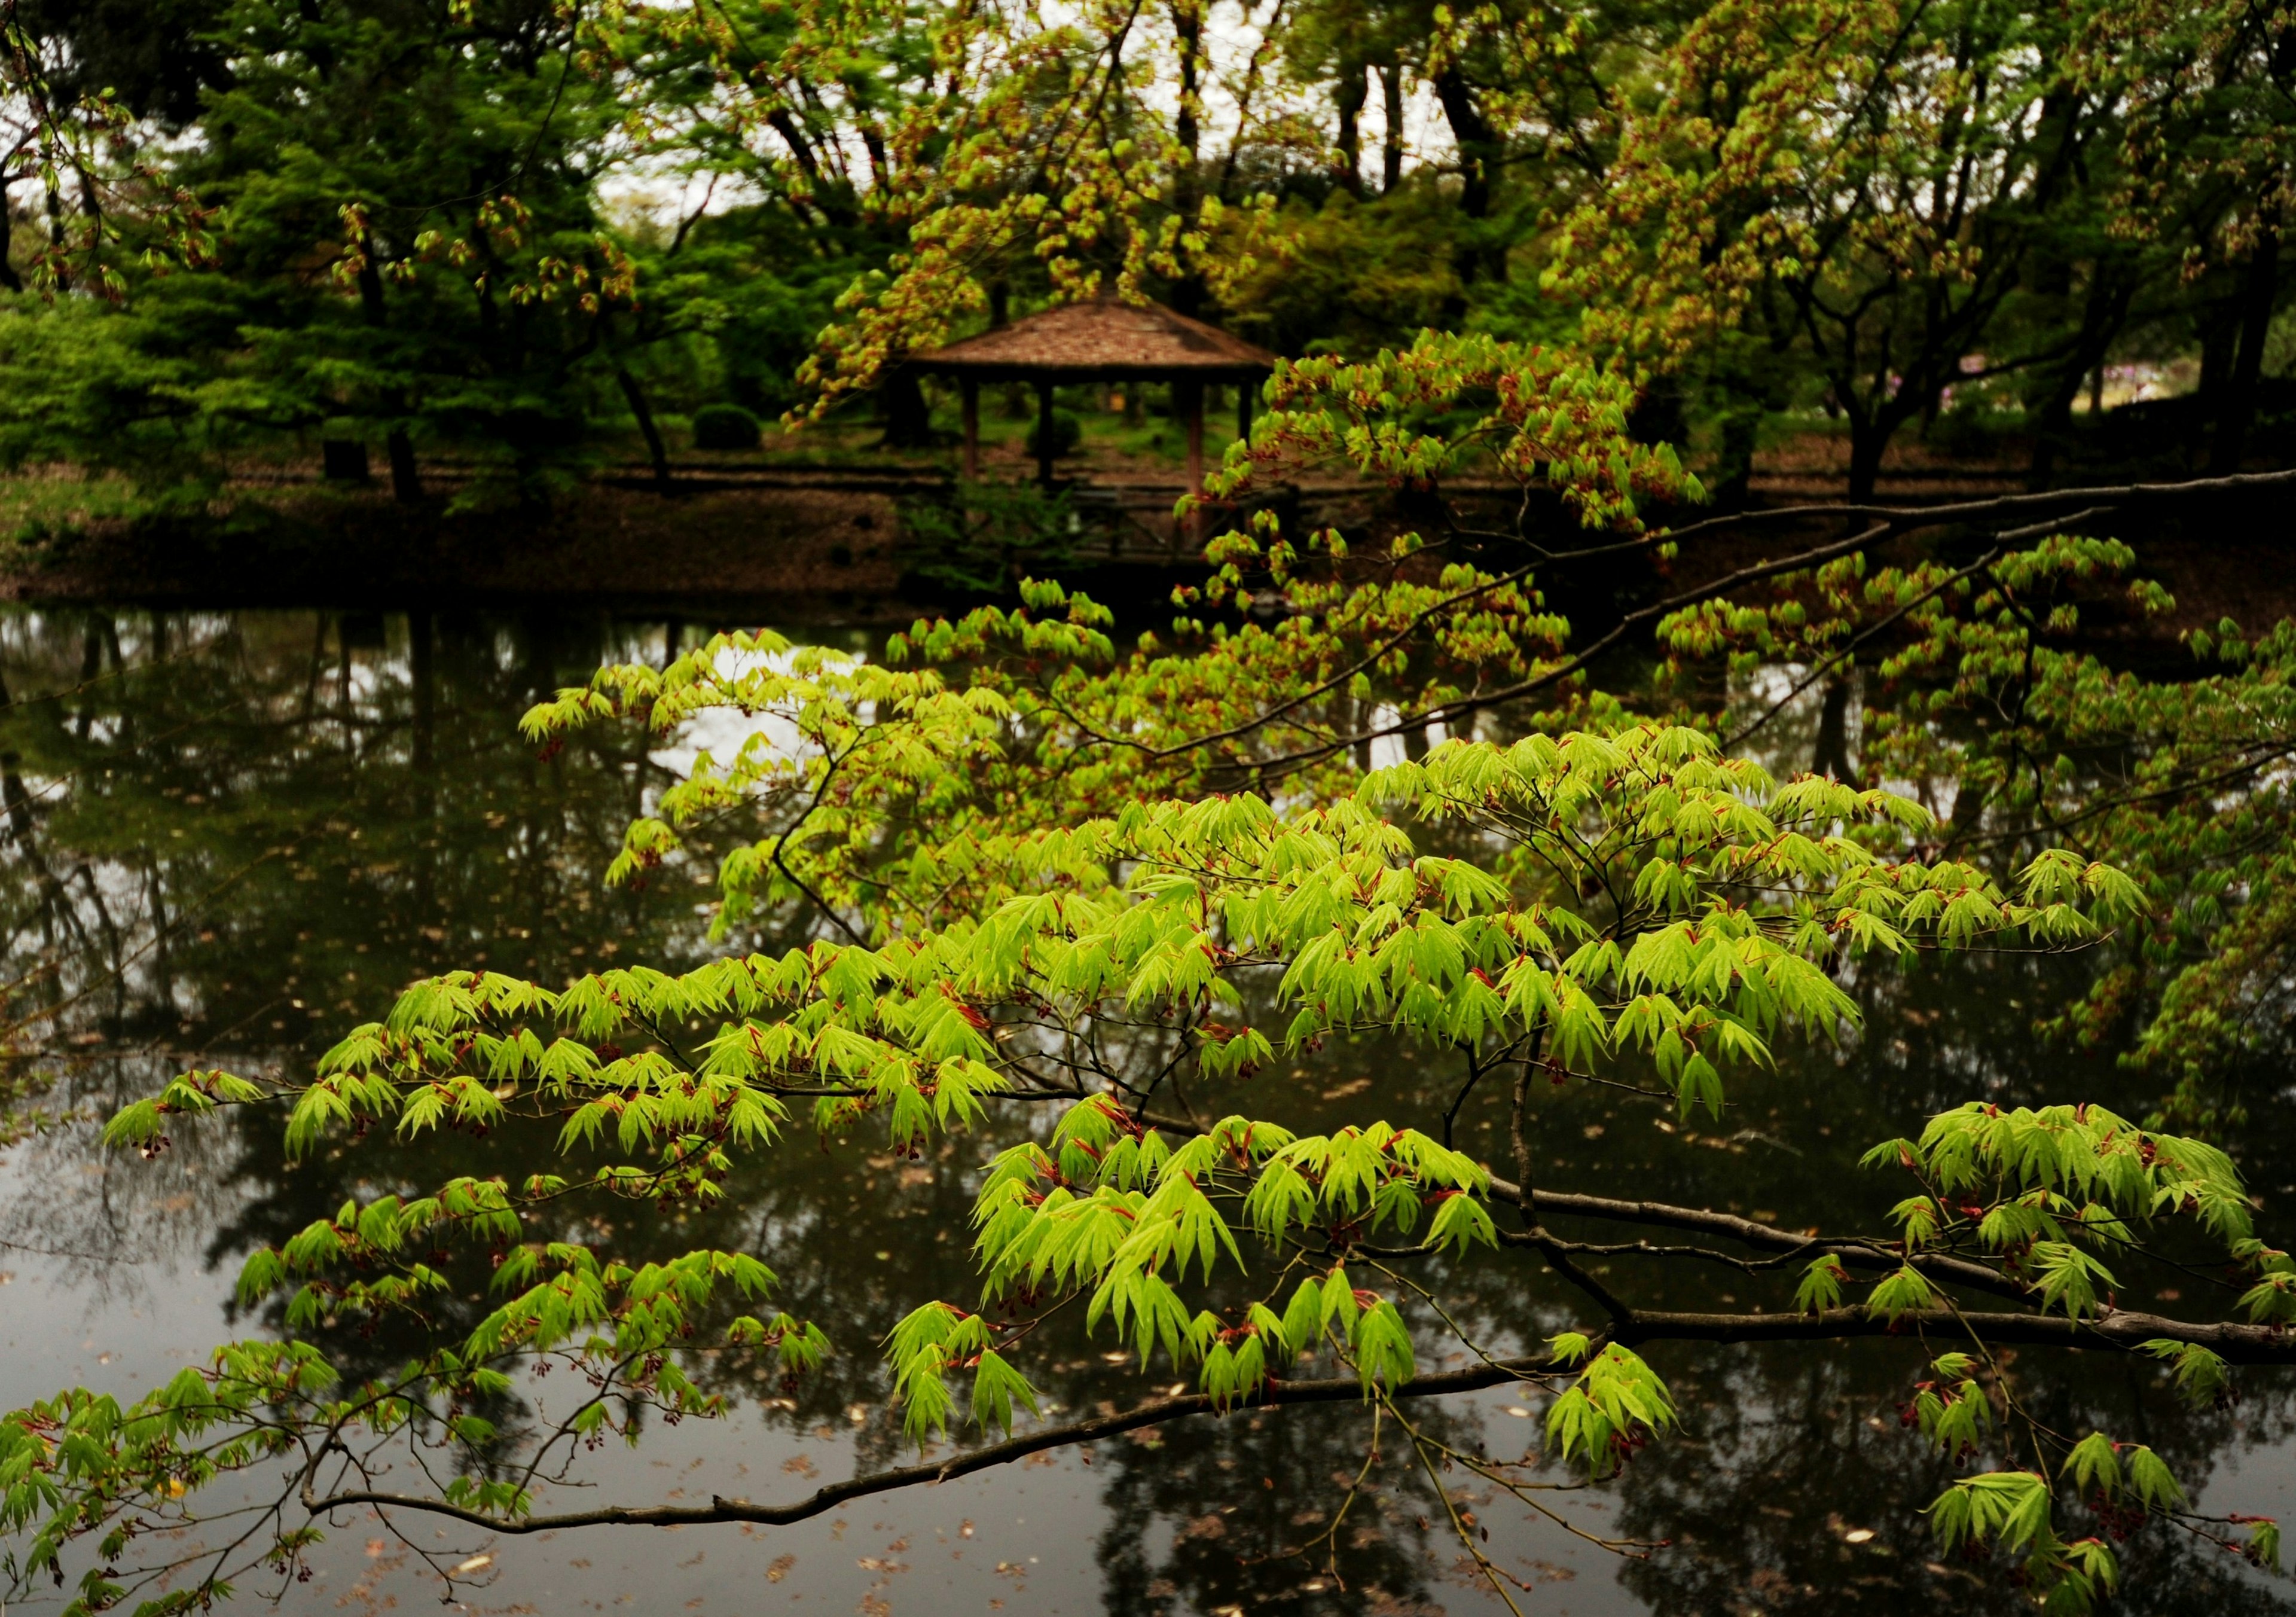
[[826, 545]]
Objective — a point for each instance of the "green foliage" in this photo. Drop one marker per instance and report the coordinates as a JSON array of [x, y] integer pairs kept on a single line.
[[2188, 809], [1047, 886], [1951, 1408], [724, 426], [1616, 1405], [1068, 433], [1726, 891], [2200, 1373], [2012, 1509]]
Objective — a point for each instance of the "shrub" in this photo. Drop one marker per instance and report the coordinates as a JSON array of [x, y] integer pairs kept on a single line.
[[1068, 432], [725, 426]]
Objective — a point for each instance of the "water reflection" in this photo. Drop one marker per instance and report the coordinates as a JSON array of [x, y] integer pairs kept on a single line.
[[229, 837]]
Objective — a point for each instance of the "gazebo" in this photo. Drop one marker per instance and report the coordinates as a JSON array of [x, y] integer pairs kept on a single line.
[[1105, 340]]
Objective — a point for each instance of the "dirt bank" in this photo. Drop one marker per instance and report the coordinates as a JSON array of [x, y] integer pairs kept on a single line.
[[825, 551]]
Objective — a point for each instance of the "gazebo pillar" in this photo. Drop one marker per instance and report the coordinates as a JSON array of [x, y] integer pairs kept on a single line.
[[1247, 393], [969, 390], [1045, 443]]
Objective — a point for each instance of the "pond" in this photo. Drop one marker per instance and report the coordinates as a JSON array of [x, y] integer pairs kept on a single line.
[[232, 836]]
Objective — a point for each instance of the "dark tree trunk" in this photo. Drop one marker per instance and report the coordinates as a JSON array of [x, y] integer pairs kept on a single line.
[[343, 460], [1348, 96], [1658, 415], [9, 278], [2219, 343], [908, 424], [637, 401], [1188, 294], [1478, 159], [1869, 440], [2105, 313], [56, 237], [406, 484], [1390, 151], [1742, 431], [2237, 410], [829, 193], [1831, 756], [1188, 30]]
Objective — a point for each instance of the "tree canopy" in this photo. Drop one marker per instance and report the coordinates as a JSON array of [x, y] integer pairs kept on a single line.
[[1068, 905], [529, 226]]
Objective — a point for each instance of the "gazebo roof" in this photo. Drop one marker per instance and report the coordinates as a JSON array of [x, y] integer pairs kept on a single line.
[[1104, 339]]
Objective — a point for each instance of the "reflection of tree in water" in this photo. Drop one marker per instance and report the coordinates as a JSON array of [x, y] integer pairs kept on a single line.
[[231, 817], [1788, 1453], [1783, 1457], [229, 837], [1209, 1514]]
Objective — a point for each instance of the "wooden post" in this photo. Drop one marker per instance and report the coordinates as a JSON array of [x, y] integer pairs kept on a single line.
[[1247, 392], [969, 390], [1045, 443], [1192, 401]]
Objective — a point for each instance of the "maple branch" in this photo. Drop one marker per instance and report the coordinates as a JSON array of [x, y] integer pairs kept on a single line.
[[2236, 1343]]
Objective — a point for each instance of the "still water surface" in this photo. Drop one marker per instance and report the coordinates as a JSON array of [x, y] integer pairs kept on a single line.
[[231, 837]]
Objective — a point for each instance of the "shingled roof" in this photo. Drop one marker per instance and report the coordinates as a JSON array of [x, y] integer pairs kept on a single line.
[[1104, 339]]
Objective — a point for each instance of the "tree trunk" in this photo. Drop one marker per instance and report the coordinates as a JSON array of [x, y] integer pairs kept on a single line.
[[343, 460], [1658, 415], [56, 237], [908, 424], [637, 401], [1478, 157], [1831, 756], [1348, 96], [9, 279], [829, 194], [2105, 313], [1742, 431], [2219, 342], [1188, 294], [406, 484], [1390, 151], [2238, 408], [1188, 30], [1869, 439]]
